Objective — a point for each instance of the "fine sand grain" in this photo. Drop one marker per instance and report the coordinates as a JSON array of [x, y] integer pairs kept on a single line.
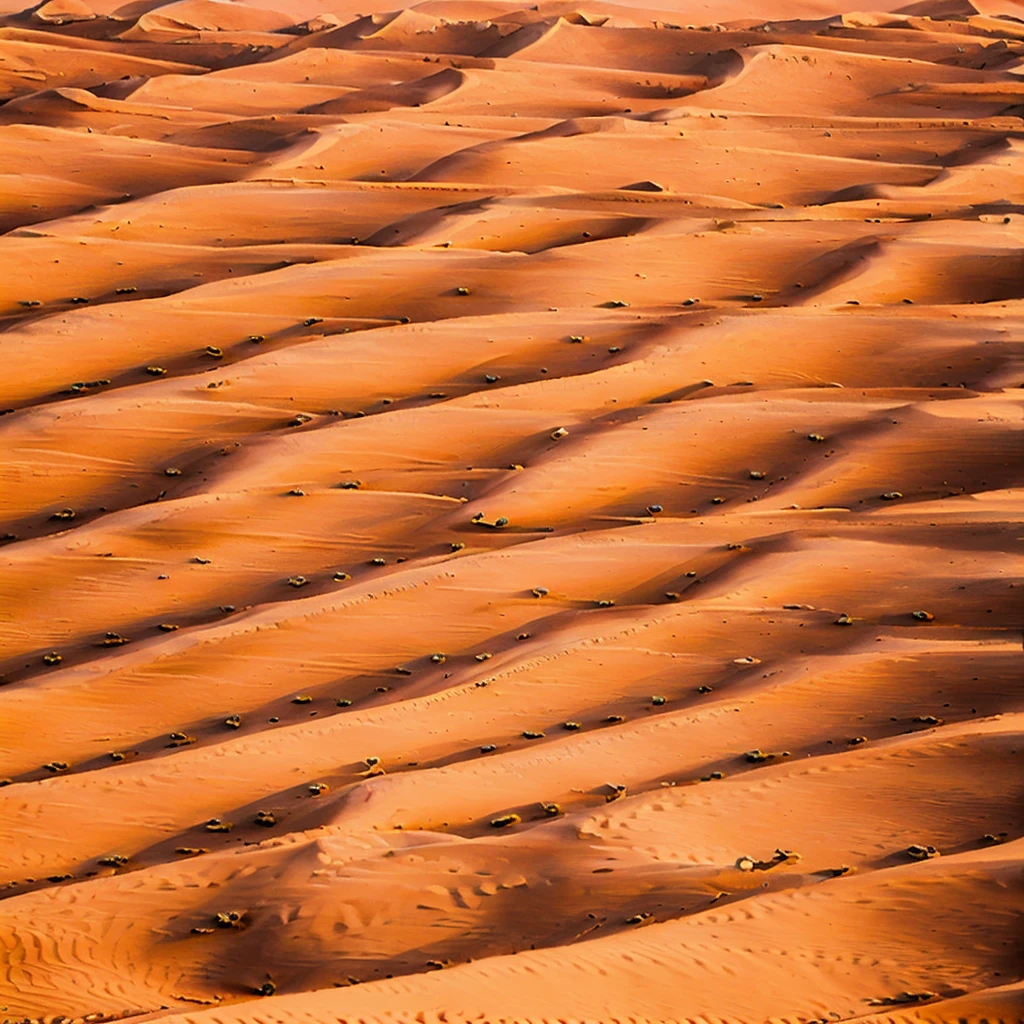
[[511, 513]]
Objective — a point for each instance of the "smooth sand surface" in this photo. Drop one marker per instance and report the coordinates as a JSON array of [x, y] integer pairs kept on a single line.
[[511, 513]]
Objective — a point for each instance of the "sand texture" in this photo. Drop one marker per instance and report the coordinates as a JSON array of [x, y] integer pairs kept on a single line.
[[511, 513]]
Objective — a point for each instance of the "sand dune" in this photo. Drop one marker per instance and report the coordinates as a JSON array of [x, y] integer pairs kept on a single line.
[[511, 512]]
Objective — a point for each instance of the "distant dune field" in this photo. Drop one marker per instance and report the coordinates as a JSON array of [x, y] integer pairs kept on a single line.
[[511, 513]]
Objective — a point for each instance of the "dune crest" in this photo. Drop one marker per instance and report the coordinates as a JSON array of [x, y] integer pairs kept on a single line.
[[511, 512]]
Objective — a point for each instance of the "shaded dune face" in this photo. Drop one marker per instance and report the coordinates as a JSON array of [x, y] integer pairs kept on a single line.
[[511, 512]]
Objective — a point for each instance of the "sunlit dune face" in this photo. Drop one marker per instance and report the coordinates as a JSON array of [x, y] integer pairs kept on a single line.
[[511, 512]]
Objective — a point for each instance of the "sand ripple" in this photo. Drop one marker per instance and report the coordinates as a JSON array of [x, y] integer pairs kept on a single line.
[[511, 512]]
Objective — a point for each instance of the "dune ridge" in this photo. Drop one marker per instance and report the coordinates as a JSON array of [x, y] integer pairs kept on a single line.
[[511, 512]]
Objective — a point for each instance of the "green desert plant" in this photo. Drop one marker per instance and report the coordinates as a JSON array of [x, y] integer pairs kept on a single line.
[[758, 756], [504, 820]]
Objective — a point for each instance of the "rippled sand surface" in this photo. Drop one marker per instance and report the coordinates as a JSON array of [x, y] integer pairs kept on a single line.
[[511, 513]]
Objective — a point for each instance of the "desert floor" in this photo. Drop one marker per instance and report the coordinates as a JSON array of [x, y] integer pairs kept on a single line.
[[511, 513]]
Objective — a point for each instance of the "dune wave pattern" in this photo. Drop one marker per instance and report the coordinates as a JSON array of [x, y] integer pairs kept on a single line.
[[511, 513]]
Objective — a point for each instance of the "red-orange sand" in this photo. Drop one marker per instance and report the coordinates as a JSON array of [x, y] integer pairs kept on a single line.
[[511, 513]]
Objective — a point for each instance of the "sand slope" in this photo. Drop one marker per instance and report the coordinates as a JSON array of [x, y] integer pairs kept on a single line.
[[511, 513]]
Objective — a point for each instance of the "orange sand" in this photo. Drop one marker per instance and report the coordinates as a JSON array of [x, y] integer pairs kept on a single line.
[[354, 384]]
